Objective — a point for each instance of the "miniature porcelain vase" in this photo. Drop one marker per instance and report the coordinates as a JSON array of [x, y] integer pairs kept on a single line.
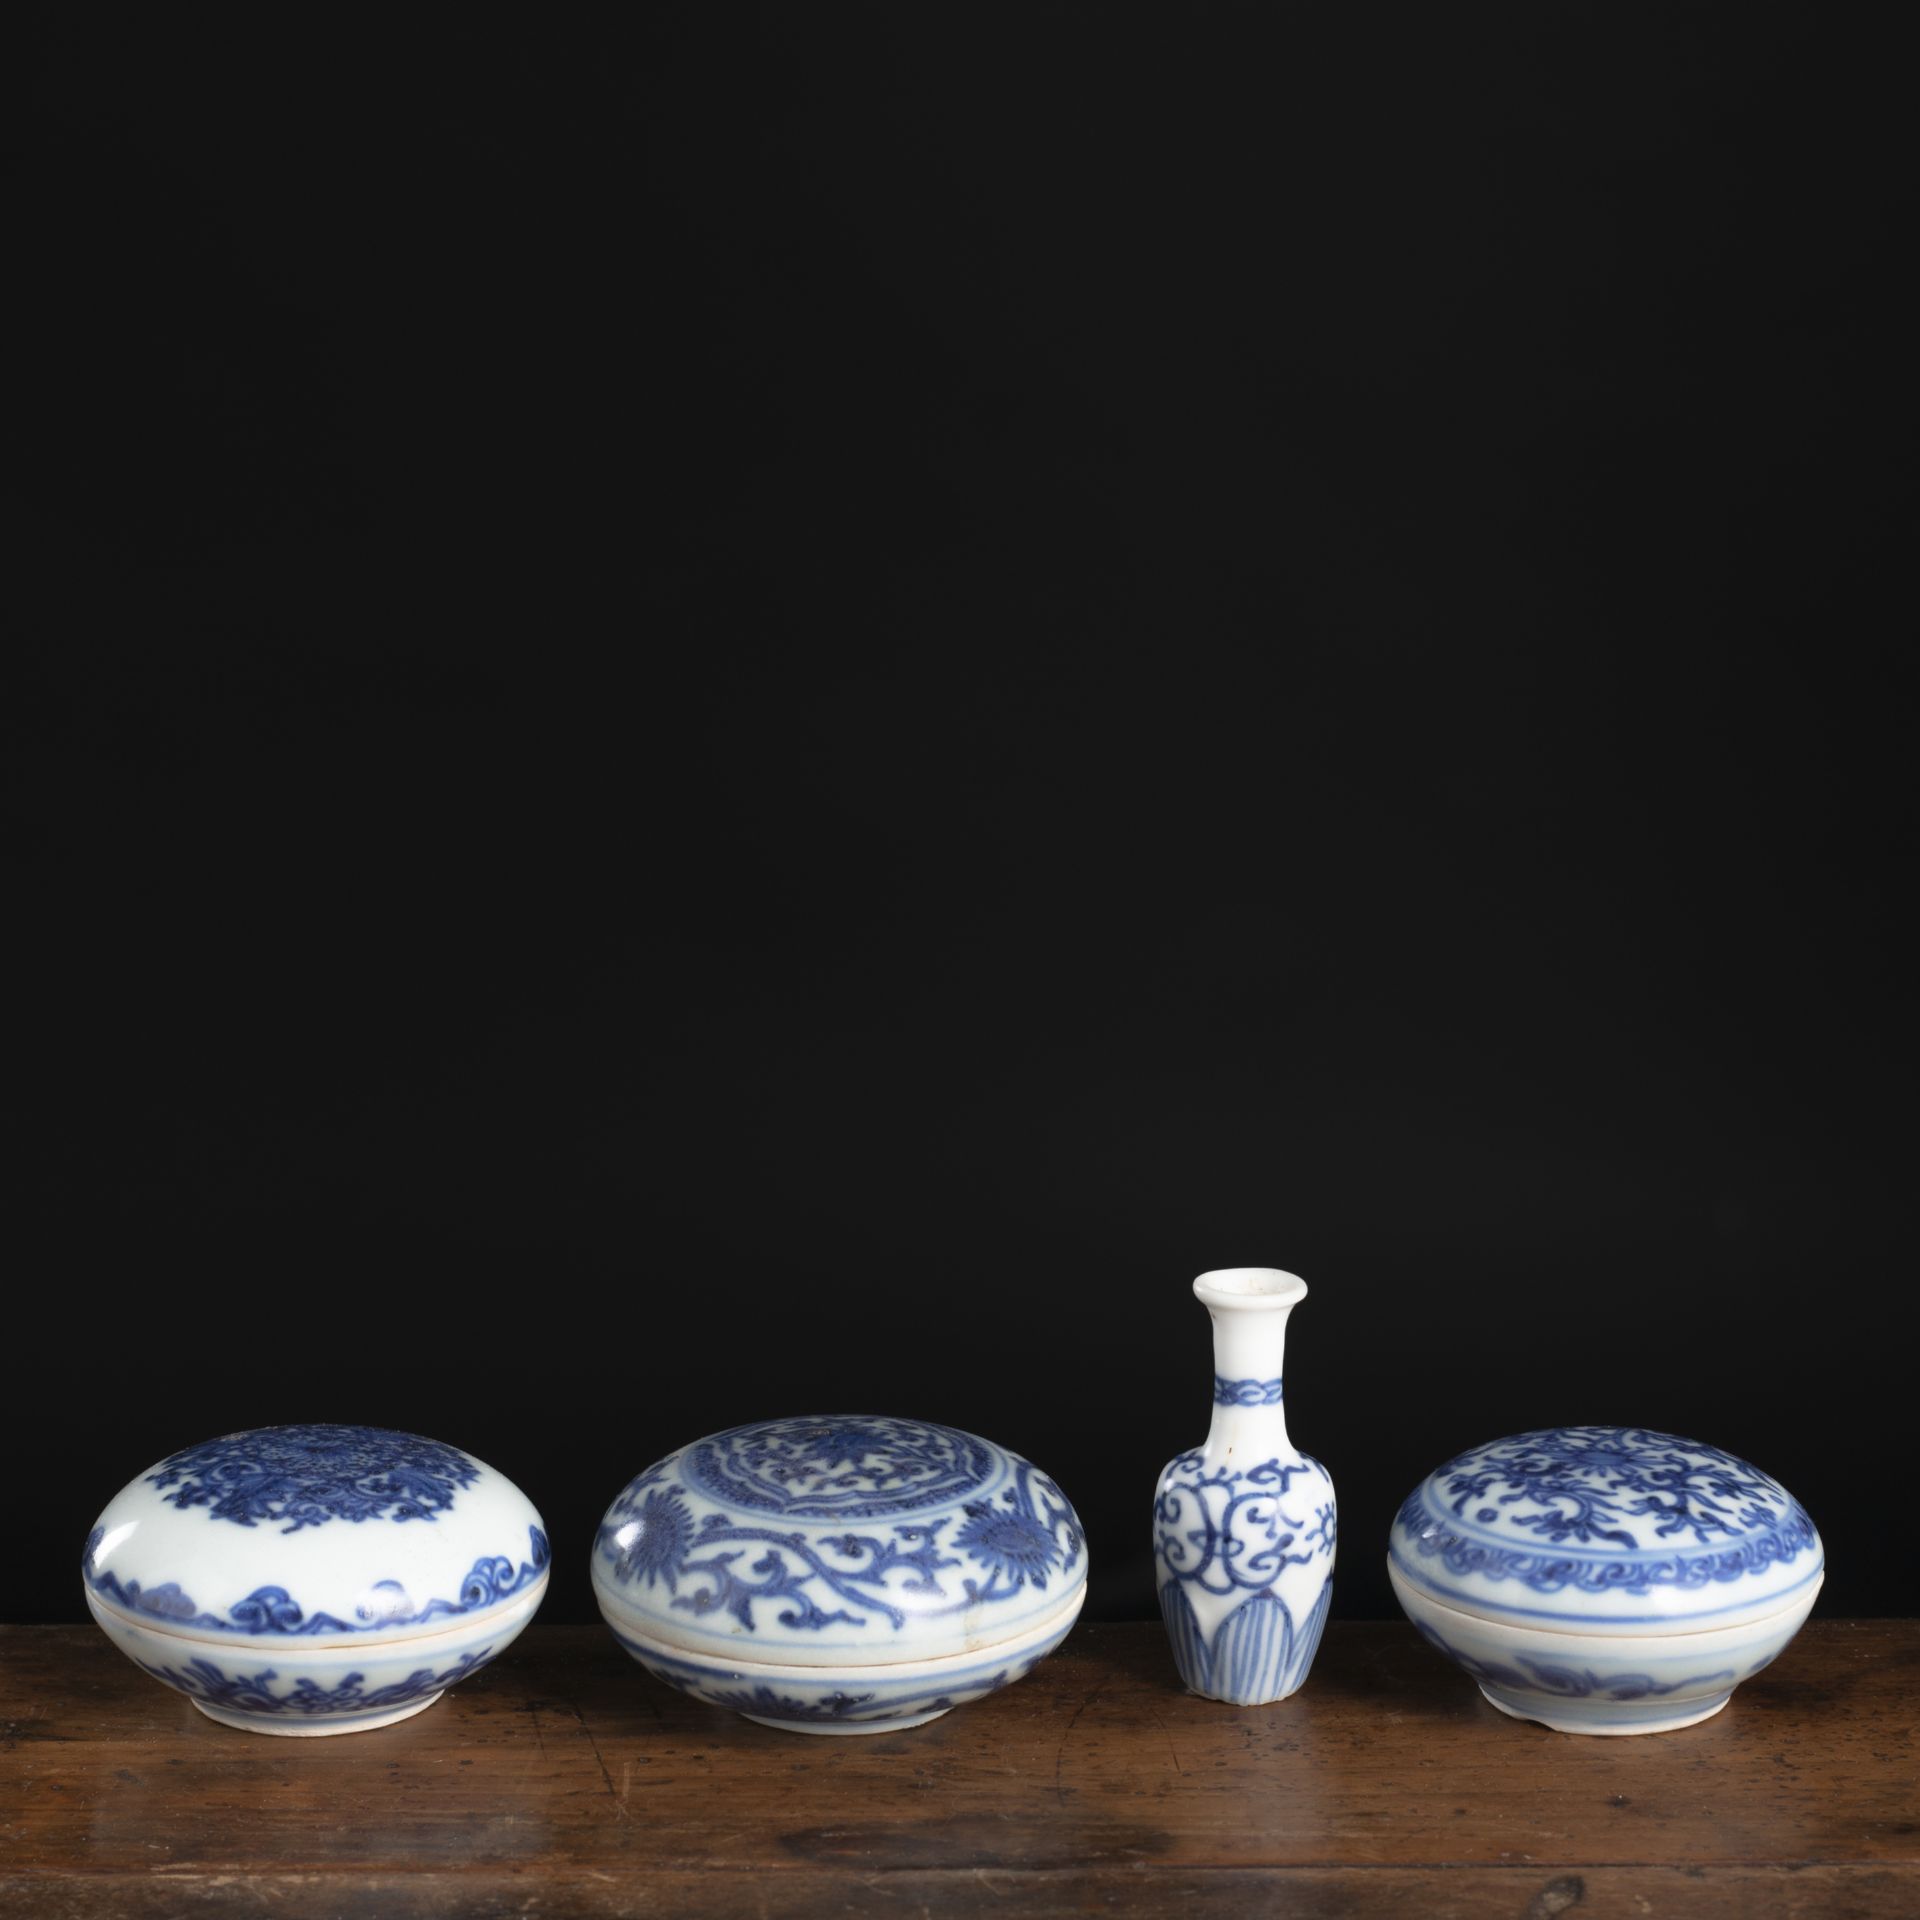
[[1244, 1527]]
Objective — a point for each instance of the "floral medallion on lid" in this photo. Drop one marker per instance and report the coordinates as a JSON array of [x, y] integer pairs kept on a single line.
[[838, 1543]]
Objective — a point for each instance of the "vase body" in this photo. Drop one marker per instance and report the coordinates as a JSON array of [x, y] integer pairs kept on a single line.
[[1244, 1527]]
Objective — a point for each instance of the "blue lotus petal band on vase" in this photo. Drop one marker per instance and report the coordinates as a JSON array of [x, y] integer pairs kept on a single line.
[[272, 1610]]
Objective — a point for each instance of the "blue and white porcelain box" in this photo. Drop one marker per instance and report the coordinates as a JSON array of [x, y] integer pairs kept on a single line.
[[1605, 1579], [315, 1579], [844, 1574]]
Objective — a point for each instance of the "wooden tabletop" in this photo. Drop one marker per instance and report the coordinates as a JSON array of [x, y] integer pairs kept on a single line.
[[564, 1781]]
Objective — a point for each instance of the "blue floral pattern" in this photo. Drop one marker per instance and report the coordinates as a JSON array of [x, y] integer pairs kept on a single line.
[[862, 1468], [272, 1610], [305, 1476], [1596, 1485], [203, 1679], [743, 1563], [1601, 1510]]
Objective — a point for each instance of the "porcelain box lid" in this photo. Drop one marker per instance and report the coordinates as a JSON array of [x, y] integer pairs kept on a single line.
[[845, 1540], [331, 1534], [1606, 1530]]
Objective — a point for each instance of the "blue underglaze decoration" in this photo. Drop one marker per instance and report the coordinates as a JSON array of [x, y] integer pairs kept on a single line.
[[1587, 1484], [272, 1610], [1246, 1393], [1223, 1532], [308, 1475], [721, 1686], [253, 1693], [1224, 1529], [995, 1546], [1259, 1653], [830, 1469], [1574, 1683], [781, 1706], [1653, 1510]]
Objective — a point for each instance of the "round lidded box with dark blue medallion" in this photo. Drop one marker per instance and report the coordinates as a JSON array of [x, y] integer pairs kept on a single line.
[[315, 1579], [840, 1574]]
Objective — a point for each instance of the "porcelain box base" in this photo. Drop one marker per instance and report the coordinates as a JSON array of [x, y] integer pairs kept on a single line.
[[295, 1688], [840, 1700], [1603, 1683]]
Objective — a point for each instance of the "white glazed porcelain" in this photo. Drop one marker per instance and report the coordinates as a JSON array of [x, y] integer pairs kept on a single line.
[[1605, 1579], [881, 1698], [315, 1579], [1245, 1526], [1603, 1682], [840, 1574]]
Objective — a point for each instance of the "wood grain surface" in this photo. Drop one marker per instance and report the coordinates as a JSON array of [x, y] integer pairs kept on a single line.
[[564, 1781]]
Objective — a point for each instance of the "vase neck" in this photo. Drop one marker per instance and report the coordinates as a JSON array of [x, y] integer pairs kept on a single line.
[[1249, 1405]]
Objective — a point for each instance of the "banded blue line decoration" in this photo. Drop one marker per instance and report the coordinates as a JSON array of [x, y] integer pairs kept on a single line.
[[1246, 1393], [272, 1610]]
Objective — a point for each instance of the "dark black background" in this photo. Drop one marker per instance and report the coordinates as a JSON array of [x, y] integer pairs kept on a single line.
[[761, 712]]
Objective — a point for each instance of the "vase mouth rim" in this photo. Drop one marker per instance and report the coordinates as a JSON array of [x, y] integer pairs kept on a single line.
[[1249, 1289]]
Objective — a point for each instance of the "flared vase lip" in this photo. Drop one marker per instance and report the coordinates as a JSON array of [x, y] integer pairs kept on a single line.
[[1248, 1289]]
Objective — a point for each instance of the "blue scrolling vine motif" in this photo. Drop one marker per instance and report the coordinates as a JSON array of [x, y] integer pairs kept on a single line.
[[272, 1610], [856, 1468], [990, 1549], [1243, 1536], [1595, 1485], [308, 1475], [1247, 1393], [1650, 1509]]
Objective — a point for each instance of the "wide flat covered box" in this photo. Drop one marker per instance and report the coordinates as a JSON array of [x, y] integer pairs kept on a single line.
[[1605, 1579], [315, 1579], [840, 1574]]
